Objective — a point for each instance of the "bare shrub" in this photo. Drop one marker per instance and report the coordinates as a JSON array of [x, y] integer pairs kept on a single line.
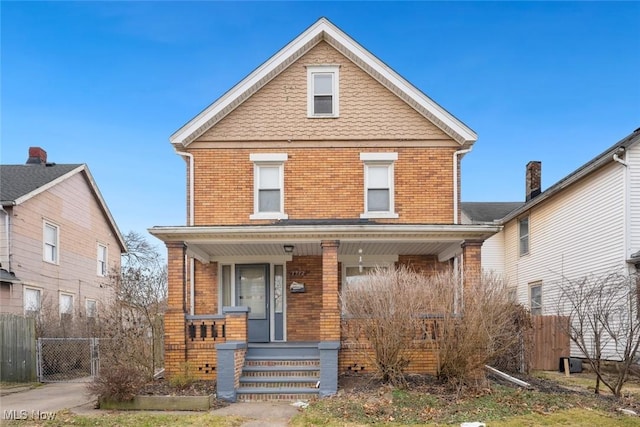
[[604, 323], [386, 309], [118, 383], [474, 327]]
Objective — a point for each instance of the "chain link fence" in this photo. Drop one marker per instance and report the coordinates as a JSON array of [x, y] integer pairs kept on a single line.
[[67, 359]]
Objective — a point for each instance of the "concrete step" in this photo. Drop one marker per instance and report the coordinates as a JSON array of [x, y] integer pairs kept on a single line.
[[261, 394], [289, 382]]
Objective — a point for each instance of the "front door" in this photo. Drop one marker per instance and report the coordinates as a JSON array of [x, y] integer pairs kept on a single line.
[[252, 290]]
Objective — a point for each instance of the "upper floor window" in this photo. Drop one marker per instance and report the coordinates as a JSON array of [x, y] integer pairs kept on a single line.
[[535, 298], [322, 86], [268, 189], [102, 260], [378, 183], [50, 242], [32, 301], [523, 227]]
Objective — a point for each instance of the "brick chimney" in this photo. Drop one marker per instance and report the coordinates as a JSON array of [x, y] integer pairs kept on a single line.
[[37, 156], [534, 179]]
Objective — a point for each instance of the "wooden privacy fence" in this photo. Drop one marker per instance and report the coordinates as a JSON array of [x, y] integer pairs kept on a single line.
[[17, 348], [550, 342]]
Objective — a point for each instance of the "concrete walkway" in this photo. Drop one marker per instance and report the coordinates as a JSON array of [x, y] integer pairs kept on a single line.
[[50, 398]]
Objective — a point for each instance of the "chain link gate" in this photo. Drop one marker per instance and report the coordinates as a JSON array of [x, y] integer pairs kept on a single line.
[[68, 359]]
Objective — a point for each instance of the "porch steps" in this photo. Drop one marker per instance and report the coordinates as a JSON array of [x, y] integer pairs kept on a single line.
[[280, 372]]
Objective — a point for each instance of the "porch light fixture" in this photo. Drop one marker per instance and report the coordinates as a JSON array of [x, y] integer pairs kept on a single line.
[[288, 249]]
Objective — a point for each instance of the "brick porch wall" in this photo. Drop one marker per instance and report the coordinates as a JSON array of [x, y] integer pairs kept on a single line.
[[303, 309]]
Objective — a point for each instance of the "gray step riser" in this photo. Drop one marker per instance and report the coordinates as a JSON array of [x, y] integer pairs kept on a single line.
[[283, 352], [281, 363], [291, 385]]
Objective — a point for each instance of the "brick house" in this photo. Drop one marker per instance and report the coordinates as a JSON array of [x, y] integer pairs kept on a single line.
[[58, 239], [321, 163]]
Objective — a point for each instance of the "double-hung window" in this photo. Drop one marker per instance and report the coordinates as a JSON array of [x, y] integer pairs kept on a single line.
[[32, 301], [66, 305], [91, 308], [51, 247], [322, 87], [523, 233], [378, 185], [268, 188], [535, 298], [102, 260]]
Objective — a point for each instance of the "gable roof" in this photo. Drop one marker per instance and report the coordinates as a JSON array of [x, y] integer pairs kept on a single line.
[[323, 30], [618, 149], [19, 183], [488, 212]]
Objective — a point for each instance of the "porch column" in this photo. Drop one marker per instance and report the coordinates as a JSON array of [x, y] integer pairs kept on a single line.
[[329, 319], [472, 263], [330, 315], [174, 320]]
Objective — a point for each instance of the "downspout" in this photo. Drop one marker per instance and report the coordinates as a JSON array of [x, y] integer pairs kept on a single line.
[[455, 181], [192, 290], [625, 201]]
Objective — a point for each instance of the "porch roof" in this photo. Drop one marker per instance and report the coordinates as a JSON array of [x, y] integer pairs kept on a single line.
[[212, 243]]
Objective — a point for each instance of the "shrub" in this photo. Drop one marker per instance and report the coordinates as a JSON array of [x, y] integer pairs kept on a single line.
[[118, 383]]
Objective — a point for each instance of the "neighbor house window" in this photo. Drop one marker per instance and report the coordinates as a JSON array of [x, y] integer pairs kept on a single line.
[[66, 305], [268, 179], [322, 85], [102, 260], [523, 226], [32, 301], [50, 242], [378, 185], [535, 298], [91, 307]]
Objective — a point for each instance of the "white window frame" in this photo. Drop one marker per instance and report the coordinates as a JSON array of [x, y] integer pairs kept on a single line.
[[334, 71], [24, 299], [102, 261], [524, 238], [47, 246], [535, 306], [60, 297], [267, 160], [88, 313], [379, 159]]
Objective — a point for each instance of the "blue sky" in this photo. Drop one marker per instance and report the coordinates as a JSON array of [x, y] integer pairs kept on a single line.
[[107, 83]]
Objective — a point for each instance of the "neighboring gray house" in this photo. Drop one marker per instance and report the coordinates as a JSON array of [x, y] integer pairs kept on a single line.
[[58, 240], [588, 223]]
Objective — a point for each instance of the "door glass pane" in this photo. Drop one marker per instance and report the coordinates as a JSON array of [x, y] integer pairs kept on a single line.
[[378, 200], [252, 290], [226, 286], [278, 287], [269, 177], [378, 177]]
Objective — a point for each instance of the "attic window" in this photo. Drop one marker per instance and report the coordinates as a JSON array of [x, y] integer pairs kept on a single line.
[[322, 86]]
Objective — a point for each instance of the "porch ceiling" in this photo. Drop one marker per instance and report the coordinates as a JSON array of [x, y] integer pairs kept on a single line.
[[215, 242]]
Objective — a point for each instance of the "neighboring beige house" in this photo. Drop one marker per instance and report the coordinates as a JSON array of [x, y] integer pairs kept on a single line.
[[587, 224], [58, 240]]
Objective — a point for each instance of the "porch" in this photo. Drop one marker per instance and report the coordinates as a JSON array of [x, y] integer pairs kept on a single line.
[[226, 283]]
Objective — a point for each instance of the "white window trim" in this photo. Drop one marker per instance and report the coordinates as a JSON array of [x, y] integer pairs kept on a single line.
[[86, 307], [68, 294], [379, 159], [333, 69], [45, 224], [24, 296], [267, 159], [106, 259]]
